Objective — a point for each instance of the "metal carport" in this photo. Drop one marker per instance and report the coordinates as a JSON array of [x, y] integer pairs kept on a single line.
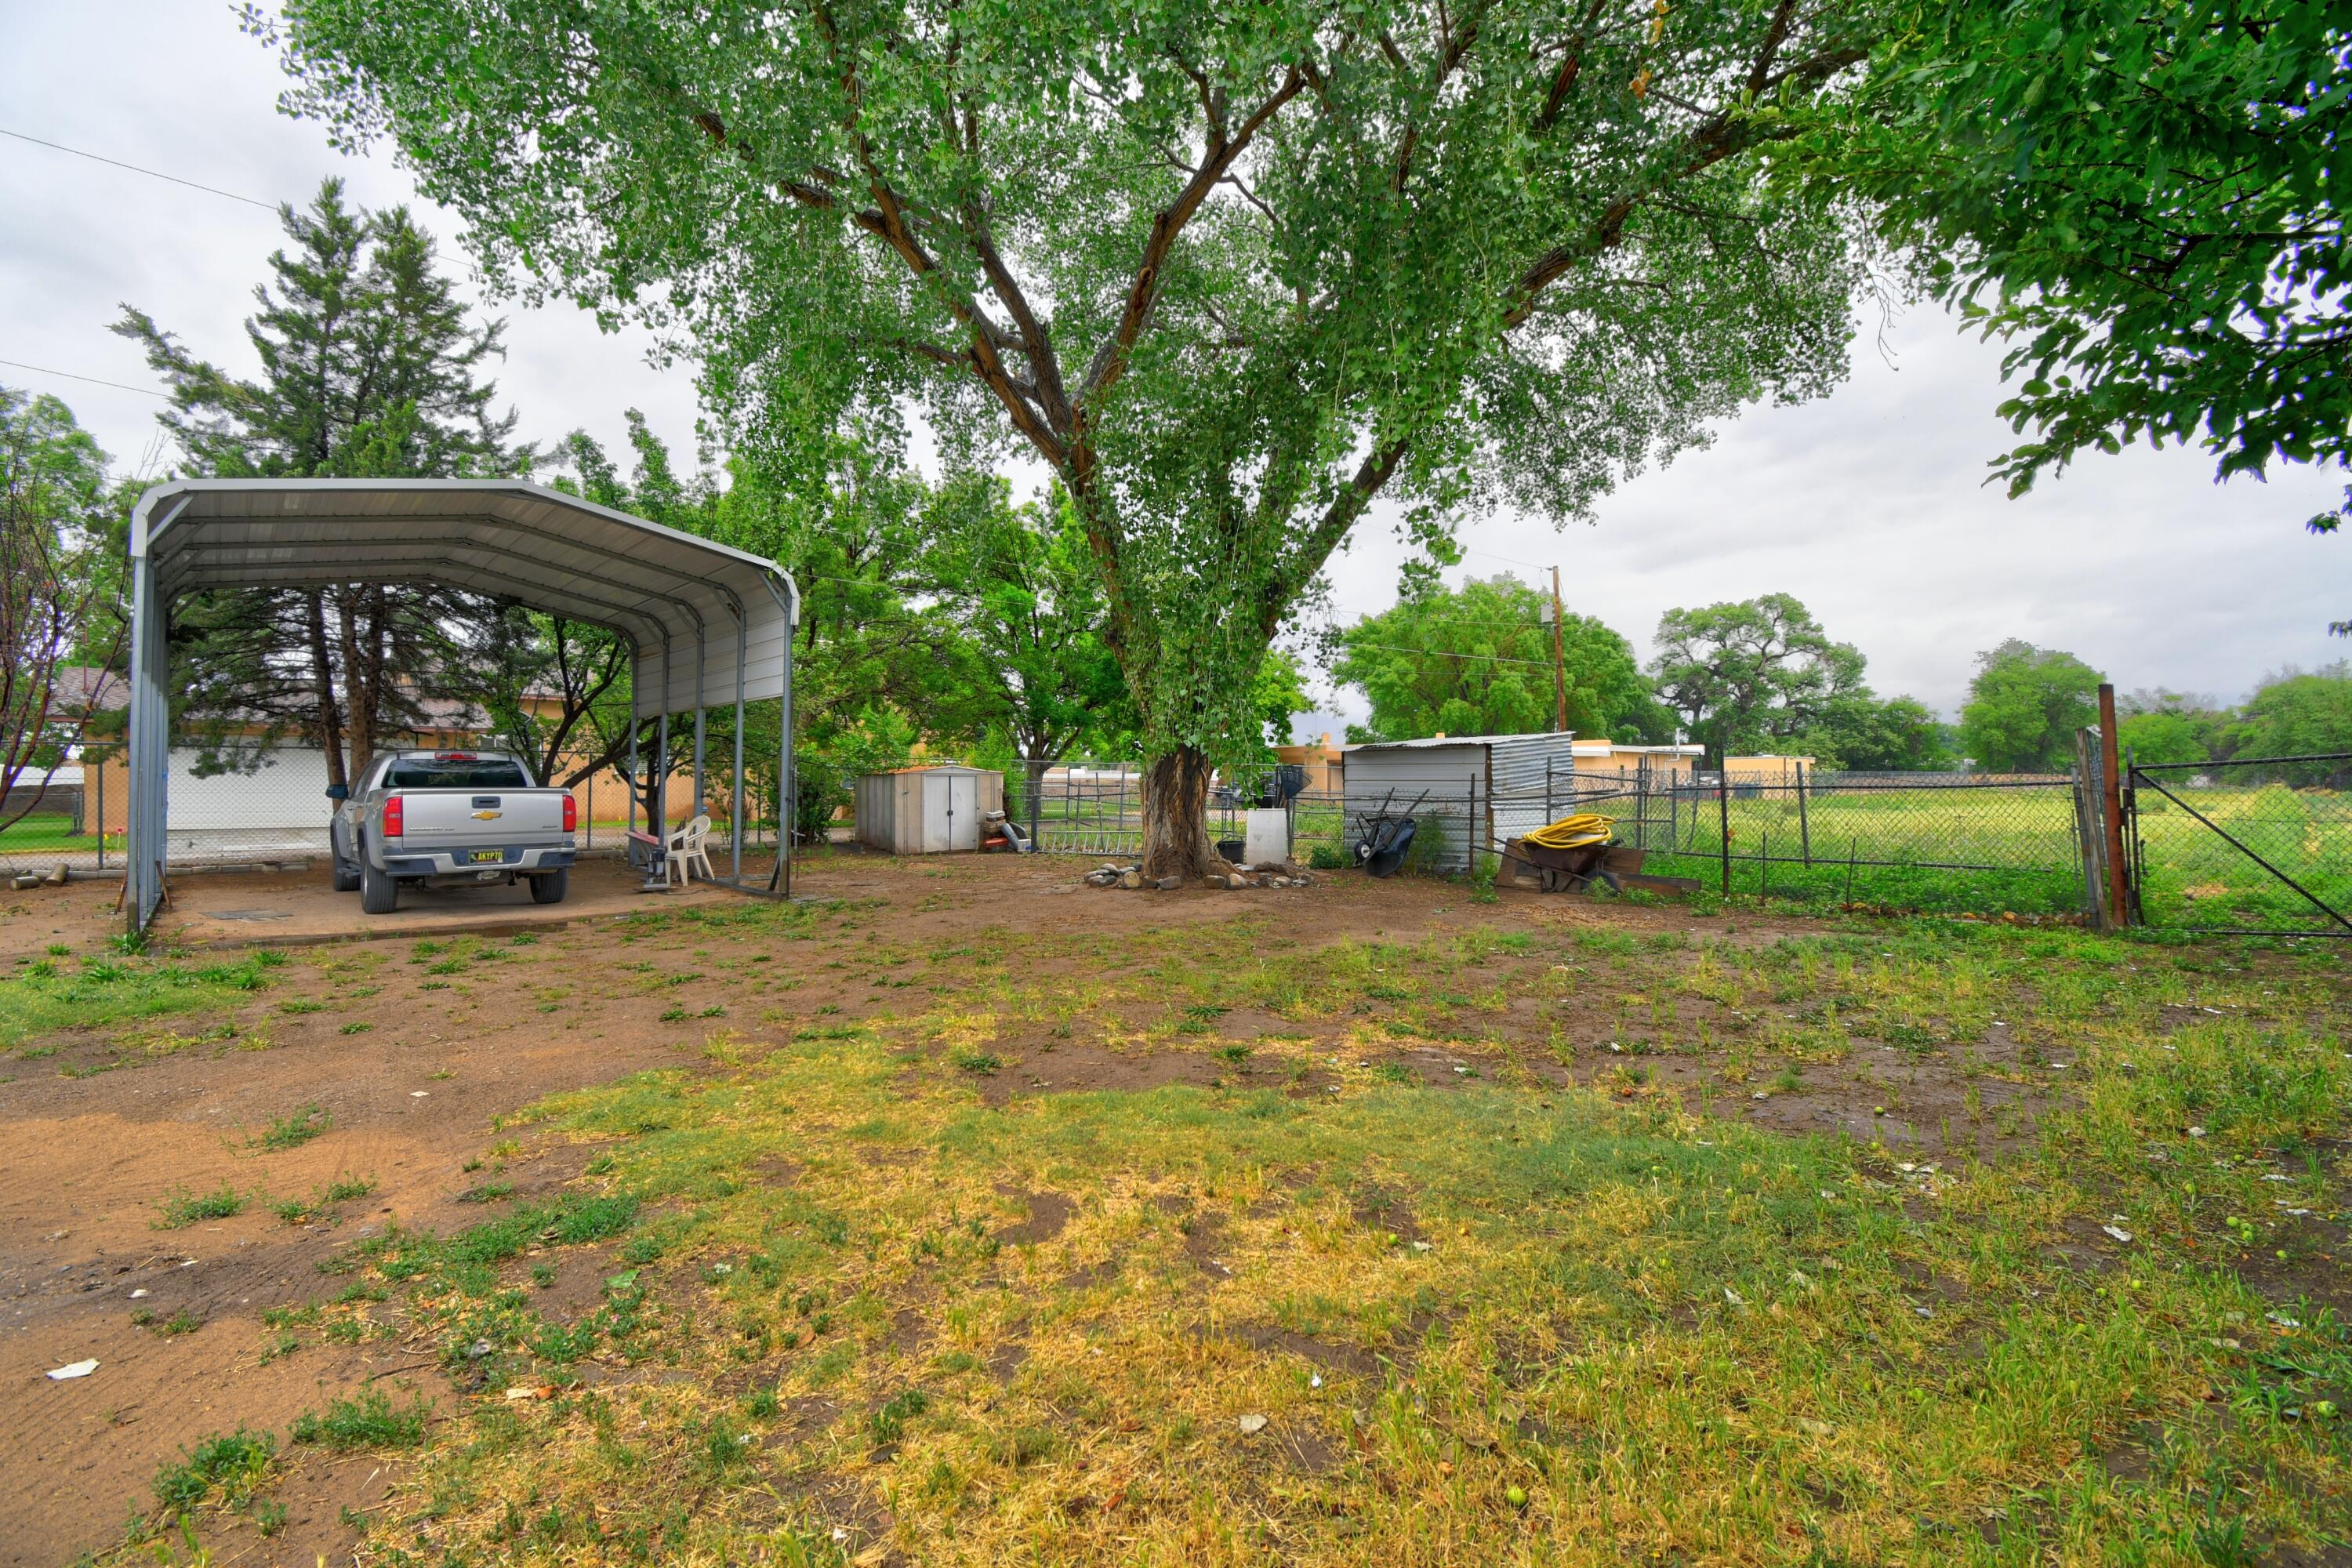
[[696, 612]]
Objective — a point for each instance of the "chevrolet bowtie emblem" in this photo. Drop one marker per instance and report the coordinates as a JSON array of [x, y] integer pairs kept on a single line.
[[484, 816]]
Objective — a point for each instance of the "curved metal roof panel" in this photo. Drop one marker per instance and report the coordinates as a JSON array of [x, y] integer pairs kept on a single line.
[[691, 605]]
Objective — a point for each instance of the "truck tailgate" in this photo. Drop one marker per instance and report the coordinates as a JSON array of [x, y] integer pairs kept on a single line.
[[433, 818]]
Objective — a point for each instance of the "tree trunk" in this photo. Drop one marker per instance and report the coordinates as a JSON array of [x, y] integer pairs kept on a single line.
[[1176, 815], [322, 683]]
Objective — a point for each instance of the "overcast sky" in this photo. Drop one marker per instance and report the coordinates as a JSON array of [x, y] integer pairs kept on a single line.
[[1869, 506]]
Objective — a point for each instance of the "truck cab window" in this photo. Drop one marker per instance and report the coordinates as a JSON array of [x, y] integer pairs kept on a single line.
[[444, 773]]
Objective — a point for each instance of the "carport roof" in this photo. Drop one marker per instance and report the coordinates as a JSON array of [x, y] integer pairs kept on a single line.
[[690, 605]]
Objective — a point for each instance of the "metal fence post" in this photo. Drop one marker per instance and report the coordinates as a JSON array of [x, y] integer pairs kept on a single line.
[[86, 766], [1804, 827], [2111, 791], [1723, 822]]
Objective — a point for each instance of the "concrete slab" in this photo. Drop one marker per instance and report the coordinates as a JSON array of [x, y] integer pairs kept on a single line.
[[239, 908]]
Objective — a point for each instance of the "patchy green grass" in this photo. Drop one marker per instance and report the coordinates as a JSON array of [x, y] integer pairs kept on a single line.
[[52, 996], [368, 1421], [293, 1130], [223, 1471], [1388, 1284], [186, 1207], [1321, 1312]]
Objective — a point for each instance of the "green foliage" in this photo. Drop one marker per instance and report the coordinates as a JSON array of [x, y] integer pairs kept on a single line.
[[369, 370], [1865, 733], [2298, 715], [294, 1131], [1277, 692], [61, 600], [1477, 660], [2140, 197], [1229, 275], [1023, 588], [229, 1465], [2024, 706], [368, 1421], [2162, 737], [186, 1206], [1745, 675], [2173, 727]]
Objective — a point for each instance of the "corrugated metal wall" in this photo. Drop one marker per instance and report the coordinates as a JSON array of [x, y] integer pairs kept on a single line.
[[1443, 774], [1533, 785]]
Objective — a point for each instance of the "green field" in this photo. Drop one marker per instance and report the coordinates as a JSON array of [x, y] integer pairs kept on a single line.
[[2195, 878], [1976, 850], [44, 832]]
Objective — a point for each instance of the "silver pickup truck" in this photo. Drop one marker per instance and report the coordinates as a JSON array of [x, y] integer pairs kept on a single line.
[[444, 819]]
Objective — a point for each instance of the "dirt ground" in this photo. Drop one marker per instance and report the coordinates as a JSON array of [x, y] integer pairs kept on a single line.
[[413, 1075]]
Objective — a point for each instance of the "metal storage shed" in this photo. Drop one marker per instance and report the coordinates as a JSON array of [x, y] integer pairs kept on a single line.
[[1478, 789], [705, 620], [926, 811]]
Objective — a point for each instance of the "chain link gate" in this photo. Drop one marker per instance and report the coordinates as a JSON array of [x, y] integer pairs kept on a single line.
[[2253, 847]]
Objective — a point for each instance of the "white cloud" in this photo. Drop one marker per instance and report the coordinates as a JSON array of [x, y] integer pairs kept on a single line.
[[173, 86]]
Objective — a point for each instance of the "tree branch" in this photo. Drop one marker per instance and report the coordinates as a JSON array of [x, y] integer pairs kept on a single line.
[[1143, 293]]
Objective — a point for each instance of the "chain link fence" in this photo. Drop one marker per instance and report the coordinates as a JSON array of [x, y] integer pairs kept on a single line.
[[2262, 846], [1918, 841], [250, 805]]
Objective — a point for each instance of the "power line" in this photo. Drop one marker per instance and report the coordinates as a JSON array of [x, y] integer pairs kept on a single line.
[[1510, 560], [94, 381], [151, 174]]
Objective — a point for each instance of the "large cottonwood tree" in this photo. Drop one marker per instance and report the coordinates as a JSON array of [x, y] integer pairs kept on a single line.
[[1232, 271]]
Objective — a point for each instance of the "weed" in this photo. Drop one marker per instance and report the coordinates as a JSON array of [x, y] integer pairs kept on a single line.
[[888, 1423], [230, 1464], [184, 1207], [292, 1132], [368, 1421], [981, 1063]]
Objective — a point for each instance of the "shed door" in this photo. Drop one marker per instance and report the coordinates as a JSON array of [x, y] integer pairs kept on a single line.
[[933, 791], [963, 795]]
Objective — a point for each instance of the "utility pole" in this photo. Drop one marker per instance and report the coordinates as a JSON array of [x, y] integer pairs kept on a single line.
[[1559, 661]]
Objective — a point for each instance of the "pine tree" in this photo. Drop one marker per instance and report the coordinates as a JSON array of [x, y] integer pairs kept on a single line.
[[369, 369]]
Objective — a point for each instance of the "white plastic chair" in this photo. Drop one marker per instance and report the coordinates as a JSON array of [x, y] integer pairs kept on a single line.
[[683, 852]]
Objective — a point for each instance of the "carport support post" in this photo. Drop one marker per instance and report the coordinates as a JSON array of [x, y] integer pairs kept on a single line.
[[735, 819], [657, 796], [701, 713]]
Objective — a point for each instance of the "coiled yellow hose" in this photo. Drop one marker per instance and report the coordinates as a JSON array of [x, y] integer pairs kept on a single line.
[[1571, 832]]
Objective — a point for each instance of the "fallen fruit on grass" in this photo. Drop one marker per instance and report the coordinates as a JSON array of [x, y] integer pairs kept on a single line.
[[1516, 1496]]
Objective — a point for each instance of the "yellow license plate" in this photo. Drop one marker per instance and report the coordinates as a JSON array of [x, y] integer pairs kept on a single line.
[[482, 856]]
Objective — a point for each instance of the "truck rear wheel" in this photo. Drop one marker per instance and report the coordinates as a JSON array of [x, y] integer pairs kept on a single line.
[[347, 875], [548, 887], [379, 890]]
